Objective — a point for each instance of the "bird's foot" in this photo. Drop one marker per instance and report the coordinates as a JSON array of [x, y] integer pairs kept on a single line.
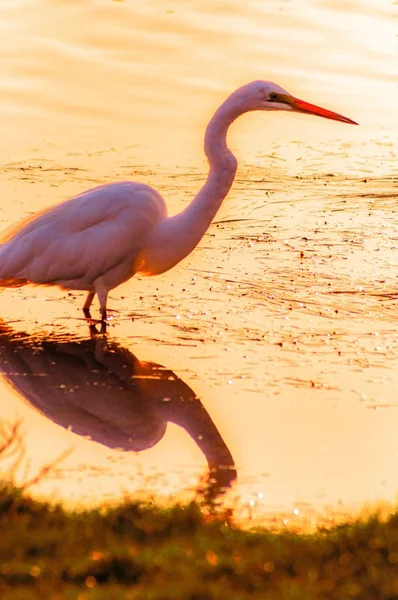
[[92, 323], [94, 331]]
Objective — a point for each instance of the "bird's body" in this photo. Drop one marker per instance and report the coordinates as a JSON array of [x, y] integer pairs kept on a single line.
[[97, 234], [102, 237]]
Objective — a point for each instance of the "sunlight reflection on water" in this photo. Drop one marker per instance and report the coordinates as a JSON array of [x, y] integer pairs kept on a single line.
[[283, 320]]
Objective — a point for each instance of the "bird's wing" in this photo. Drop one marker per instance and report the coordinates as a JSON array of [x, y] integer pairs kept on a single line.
[[83, 238]]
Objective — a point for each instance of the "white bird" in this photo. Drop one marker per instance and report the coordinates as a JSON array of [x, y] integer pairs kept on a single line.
[[102, 237]]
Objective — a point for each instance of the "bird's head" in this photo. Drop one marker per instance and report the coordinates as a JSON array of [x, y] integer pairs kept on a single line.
[[265, 95]]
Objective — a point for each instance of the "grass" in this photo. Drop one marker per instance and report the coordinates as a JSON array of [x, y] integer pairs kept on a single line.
[[138, 551]]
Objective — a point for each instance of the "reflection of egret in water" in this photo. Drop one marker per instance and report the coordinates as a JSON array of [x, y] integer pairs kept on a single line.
[[101, 390]]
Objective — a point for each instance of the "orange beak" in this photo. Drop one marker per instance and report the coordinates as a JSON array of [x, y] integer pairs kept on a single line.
[[305, 107]]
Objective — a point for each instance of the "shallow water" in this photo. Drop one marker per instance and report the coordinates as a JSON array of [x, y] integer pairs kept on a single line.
[[279, 333]]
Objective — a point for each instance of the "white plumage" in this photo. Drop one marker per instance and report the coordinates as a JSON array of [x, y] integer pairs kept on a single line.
[[89, 241]]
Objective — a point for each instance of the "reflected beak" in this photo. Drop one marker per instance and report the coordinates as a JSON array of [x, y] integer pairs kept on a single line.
[[305, 107]]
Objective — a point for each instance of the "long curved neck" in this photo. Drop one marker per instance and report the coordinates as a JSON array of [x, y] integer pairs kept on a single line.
[[175, 237]]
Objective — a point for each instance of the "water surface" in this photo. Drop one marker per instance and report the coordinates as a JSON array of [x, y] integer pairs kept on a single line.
[[282, 324]]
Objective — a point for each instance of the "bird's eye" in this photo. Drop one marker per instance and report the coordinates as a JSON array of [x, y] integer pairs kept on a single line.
[[273, 97]]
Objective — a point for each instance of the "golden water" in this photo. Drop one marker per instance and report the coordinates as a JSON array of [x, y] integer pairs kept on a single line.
[[284, 321]]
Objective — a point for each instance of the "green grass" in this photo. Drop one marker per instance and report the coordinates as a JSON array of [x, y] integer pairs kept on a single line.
[[140, 551]]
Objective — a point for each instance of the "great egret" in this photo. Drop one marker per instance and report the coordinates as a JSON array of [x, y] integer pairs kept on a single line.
[[102, 237]]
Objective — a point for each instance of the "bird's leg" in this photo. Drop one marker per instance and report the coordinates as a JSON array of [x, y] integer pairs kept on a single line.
[[87, 304], [102, 294]]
